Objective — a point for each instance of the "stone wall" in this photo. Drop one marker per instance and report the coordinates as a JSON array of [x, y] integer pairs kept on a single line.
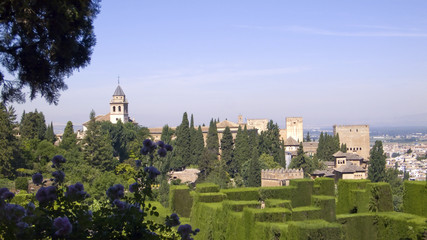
[[294, 128], [279, 176], [356, 137]]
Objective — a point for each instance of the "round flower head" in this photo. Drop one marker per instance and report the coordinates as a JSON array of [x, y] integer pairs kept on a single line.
[[7, 195], [168, 147], [59, 176], [38, 178], [147, 143], [133, 187], [173, 220], [46, 194], [116, 192], [138, 163], [63, 225], [76, 192], [14, 212], [145, 150], [161, 144], [162, 152], [185, 231], [152, 172], [57, 160], [119, 204]]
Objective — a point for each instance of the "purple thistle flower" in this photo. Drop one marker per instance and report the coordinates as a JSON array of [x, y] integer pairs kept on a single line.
[[38, 178], [76, 192], [63, 225], [59, 176], [162, 152], [147, 143], [173, 220], [3, 190], [161, 144], [46, 194], [7, 195], [116, 192], [14, 212], [152, 172], [133, 187], [168, 147], [185, 231], [57, 160], [119, 204], [145, 150], [138, 163]]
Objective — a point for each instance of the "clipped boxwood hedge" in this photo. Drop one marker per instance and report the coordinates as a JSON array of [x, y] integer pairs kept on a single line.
[[241, 194], [415, 198], [268, 214], [306, 213], [348, 201], [380, 197], [324, 186], [272, 203], [314, 229], [302, 195], [277, 192], [180, 200], [207, 187], [327, 206], [238, 206], [210, 197]]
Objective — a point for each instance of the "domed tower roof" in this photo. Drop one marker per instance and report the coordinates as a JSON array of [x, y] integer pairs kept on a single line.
[[119, 91]]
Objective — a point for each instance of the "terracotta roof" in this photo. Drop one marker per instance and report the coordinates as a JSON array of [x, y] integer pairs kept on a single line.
[[119, 91], [348, 156], [227, 123], [100, 118], [349, 168], [291, 142]]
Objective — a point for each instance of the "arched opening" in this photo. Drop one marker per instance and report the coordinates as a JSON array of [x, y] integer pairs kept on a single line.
[[114, 108], [120, 108]]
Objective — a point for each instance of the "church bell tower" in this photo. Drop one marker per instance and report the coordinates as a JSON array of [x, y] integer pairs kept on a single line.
[[119, 107]]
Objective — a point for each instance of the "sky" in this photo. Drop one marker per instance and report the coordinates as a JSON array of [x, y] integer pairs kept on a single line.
[[330, 62]]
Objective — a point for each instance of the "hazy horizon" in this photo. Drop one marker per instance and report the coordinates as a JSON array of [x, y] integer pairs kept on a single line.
[[330, 62]]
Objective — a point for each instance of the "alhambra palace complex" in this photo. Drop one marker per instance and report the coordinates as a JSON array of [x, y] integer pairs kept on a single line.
[[349, 165]]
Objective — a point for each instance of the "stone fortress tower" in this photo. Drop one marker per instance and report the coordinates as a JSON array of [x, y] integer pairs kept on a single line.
[[294, 128], [356, 137], [119, 106]]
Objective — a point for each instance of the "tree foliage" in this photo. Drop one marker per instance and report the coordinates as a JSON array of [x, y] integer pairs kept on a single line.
[[182, 149], [42, 42], [301, 160], [69, 138], [241, 148], [33, 125], [328, 145], [227, 152], [9, 144], [271, 144], [376, 170]]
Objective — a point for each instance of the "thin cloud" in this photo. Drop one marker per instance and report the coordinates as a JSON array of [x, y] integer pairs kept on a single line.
[[385, 32]]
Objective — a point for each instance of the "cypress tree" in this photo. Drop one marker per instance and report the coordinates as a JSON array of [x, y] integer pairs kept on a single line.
[[199, 145], [302, 161], [167, 134], [50, 134], [212, 142], [183, 141], [9, 143], [270, 143], [69, 138], [307, 137], [192, 146], [343, 148], [33, 126], [254, 171], [241, 149], [376, 170], [227, 152], [98, 150]]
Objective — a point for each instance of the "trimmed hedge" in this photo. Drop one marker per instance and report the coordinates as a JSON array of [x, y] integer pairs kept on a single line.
[[384, 225], [272, 203], [241, 194], [415, 198], [314, 229], [306, 213], [180, 200], [380, 197], [302, 195], [327, 206], [324, 186], [268, 214], [207, 187], [210, 197], [277, 192], [350, 201], [238, 206]]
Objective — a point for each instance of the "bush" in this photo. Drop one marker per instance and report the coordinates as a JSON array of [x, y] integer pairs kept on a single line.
[[414, 198], [326, 186], [327, 206], [238, 206], [272, 203], [239, 194], [306, 213], [207, 187], [380, 197], [21, 183], [302, 196], [277, 192], [180, 200], [210, 197], [350, 201]]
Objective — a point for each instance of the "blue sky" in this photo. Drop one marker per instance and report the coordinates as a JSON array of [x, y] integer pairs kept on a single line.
[[330, 62]]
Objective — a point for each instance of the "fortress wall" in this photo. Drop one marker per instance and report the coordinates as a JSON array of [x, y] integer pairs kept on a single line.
[[356, 137]]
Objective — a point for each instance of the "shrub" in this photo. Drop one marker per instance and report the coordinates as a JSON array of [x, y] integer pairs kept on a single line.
[[239, 194], [326, 186], [302, 195], [21, 183], [207, 187], [350, 201], [180, 200], [414, 198], [277, 192]]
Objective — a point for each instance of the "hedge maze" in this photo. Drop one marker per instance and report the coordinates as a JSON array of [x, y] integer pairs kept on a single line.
[[306, 209]]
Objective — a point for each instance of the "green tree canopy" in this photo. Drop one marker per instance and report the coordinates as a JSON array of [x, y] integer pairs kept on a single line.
[[227, 152], [69, 138], [9, 144], [182, 145], [33, 125], [301, 160], [242, 151], [42, 43], [376, 170]]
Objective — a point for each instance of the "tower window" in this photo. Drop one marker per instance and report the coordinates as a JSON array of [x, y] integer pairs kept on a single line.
[[114, 108], [120, 108]]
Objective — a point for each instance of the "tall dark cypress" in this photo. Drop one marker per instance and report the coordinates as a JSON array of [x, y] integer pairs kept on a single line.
[[227, 152], [192, 146], [199, 145], [183, 141], [241, 148], [212, 142]]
